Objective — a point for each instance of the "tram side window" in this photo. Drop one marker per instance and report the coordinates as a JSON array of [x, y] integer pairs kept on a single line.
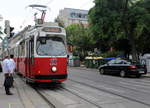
[[22, 48]]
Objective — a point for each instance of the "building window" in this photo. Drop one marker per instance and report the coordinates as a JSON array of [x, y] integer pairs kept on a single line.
[[80, 15], [73, 15]]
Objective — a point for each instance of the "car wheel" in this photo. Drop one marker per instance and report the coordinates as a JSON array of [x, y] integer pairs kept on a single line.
[[138, 75], [123, 74], [102, 71]]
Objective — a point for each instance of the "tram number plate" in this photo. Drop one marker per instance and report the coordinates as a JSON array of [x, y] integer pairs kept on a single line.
[[53, 62]]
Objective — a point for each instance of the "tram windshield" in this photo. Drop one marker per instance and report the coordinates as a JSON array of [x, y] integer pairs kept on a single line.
[[50, 46]]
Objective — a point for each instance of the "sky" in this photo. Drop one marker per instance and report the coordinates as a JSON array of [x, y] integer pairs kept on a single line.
[[20, 15]]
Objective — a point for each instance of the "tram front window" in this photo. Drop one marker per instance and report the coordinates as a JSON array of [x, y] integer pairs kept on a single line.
[[50, 46]]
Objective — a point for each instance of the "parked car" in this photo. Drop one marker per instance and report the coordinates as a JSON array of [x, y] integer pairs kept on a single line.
[[123, 68]]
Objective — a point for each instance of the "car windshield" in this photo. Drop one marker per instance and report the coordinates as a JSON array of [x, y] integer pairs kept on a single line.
[[50, 46]]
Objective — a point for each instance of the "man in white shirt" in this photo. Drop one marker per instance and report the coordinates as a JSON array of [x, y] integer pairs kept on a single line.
[[12, 64], [8, 75]]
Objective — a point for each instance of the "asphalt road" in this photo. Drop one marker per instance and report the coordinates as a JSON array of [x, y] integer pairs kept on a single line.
[[85, 88], [107, 91]]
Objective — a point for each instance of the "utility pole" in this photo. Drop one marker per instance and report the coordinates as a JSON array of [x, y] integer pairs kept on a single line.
[[7, 27]]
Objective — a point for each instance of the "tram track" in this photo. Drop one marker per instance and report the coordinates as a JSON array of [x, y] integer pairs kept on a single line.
[[89, 101], [116, 85], [41, 94], [110, 92], [45, 98]]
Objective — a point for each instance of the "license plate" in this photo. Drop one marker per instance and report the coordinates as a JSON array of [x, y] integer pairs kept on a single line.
[[141, 72]]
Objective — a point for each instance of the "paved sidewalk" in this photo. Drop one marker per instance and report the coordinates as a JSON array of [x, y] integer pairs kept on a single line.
[[23, 96], [9, 101], [147, 75]]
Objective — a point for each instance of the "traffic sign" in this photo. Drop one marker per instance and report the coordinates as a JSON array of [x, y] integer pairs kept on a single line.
[[5, 43]]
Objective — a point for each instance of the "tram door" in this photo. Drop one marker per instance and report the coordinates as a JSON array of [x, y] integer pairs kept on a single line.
[[29, 57]]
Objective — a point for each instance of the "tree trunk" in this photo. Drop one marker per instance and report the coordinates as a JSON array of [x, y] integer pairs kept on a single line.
[[133, 47], [129, 33]]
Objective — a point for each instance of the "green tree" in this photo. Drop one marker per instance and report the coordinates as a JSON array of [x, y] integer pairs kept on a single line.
[[80, 37], [120, 20], [105, 22], [144, 28], [134, 17], [60, 22]]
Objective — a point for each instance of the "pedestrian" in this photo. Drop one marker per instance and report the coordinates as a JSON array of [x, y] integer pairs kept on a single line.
[[12, 66], [8, 75]]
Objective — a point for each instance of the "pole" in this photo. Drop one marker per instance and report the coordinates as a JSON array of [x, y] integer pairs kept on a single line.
[[7, 26], [5, 40]]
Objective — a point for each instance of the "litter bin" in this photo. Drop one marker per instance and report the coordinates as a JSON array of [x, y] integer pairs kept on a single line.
[[76, 61], [88, 62]]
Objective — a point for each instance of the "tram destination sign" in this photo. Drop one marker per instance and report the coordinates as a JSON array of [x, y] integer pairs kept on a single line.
[[52, 29]]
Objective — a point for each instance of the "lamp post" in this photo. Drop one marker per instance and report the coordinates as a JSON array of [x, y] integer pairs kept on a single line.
[[4, 44]]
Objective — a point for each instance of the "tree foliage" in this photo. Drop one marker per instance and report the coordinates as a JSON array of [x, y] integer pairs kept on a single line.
[[60, 22], [114, 22], [105, 21], [80, 37]]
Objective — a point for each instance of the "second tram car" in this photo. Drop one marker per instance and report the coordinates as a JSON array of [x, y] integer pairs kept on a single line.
[[40, 53]]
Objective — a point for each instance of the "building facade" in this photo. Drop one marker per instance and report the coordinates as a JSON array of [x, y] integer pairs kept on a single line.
[[73, 16]]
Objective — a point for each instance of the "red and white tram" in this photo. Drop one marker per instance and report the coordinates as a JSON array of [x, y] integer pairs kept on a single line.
[[40, 53]]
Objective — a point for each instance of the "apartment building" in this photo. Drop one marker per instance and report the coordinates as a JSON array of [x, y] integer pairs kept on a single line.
[[73, 16]]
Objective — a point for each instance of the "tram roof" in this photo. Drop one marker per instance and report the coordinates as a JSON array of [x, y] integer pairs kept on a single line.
[[35, 27]]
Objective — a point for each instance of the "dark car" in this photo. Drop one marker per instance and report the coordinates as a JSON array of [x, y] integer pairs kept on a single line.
[[123, 68]]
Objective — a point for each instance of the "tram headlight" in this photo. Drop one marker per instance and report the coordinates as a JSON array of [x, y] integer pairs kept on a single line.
[[54, 69]]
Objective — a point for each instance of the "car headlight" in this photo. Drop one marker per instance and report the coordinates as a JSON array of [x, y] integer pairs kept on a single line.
[[54, 69]]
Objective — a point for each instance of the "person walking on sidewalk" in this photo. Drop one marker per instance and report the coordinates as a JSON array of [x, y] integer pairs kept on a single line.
[[8, 75]]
